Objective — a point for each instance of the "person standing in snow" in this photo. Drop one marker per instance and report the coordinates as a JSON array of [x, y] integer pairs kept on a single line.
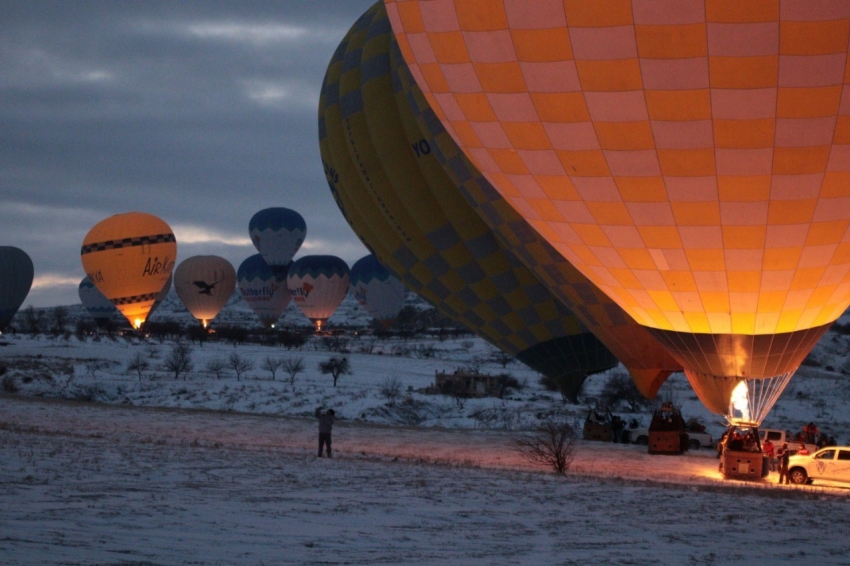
[[783, 455], [768, 450], [326, 423]]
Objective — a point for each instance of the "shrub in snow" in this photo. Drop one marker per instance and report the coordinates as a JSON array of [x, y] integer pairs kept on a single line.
[[551, 443], [239, 365], [391, 389], [216, 366], [272, 365], [293, 366], [179, 360], [335, 366], [621, 388]]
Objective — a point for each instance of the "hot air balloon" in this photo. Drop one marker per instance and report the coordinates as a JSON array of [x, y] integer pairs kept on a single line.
[[377, 290], [264, 288], [204, 283], [690, 159], [277, 234], [99, 307], [318, 284], [406, 210], [129, 258], [16, 273], [401, 203]]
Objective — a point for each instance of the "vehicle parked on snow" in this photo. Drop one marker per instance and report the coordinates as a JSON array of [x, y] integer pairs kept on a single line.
[[831, 463]]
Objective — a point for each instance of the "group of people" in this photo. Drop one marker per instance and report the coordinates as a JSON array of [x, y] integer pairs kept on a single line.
[[811, 435], [778, 457]]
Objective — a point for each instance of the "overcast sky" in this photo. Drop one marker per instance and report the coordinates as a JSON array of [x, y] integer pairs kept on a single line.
[[200, 112]]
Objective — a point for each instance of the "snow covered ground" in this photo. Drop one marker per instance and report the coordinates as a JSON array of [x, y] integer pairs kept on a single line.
[[88, 483], [215, 470]]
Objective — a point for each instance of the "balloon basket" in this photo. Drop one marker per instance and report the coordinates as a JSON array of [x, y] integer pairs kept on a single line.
[[667, 442], [744, 465]]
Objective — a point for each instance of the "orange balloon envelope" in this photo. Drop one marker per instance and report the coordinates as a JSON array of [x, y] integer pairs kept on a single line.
[[129, 258], [690, 159]]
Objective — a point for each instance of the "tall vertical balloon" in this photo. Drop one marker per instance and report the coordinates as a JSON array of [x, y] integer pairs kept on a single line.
[[690, 159], [129, 258], [409, 213], [98, 306], [16, 274], [264, 288], [318, 284], [277, 234], [204, 283], [377, 290]]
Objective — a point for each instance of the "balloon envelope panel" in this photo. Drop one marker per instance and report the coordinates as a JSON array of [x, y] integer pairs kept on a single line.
[[420, 227], [129, 258], [98, 306], [318, 284], [277, 233], [264, 288], [16, 275], [204, 283], [695, 174], [377, 290], [646, 360]]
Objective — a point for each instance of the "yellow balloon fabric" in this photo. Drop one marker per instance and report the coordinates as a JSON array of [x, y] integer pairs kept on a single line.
[[129, 258], [204, 284], [423, 231]]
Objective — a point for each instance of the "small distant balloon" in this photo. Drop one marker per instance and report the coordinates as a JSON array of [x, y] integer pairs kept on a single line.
[[129, 258], [318, 284], [16, 273], [377, 290], [264, 288], [277, 234], [99, 307], [204, 283]]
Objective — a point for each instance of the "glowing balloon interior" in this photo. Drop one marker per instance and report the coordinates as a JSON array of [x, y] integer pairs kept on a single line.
[[318, 284], [129, 258], [204, 283], [690, 159]]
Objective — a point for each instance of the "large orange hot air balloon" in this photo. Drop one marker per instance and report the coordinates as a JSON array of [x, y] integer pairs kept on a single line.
[[407, 211], [129, 258], [691, 159]]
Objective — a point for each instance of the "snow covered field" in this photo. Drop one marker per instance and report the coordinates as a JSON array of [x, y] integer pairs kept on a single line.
[[89, 483], [140, 479]]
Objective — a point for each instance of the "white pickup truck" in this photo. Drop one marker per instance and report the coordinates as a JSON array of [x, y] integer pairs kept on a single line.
[[777, 437], [696, 440]]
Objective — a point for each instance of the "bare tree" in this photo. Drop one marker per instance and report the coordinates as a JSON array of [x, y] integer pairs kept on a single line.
[[473, 365], [293, 366], [272, 365], [58, 320], [390, 388], [239, 365], [216, 367], [551, 443], [335, 366], [179, 360], [32, 320], [139, 364], [620, 387]]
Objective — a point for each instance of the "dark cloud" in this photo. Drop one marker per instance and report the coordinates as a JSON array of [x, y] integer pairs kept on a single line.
[[199, 112]]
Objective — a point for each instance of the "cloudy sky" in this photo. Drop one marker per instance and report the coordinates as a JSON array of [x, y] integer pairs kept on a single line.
[[200, 112]]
